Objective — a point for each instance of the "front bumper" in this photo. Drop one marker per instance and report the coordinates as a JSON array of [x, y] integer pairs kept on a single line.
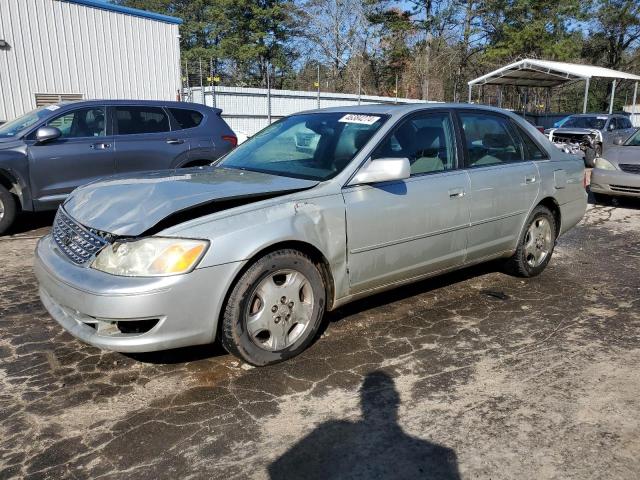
[[615, 182], [88, 303]]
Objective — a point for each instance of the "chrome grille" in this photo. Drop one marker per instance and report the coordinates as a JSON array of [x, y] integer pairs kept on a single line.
[[629, 167], [75, 241]]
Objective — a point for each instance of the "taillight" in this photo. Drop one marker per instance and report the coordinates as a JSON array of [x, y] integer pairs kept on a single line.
[[540, 129], [232, 139]]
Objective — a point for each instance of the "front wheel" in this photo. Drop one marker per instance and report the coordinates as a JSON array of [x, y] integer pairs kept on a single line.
[[275, 309], [536, 244], [8, 209]]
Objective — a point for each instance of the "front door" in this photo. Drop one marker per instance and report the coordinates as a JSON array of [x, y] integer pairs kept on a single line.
[[403, 229], [83, 153], [504, 182]]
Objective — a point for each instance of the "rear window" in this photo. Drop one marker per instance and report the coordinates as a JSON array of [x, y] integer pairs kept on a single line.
[[132, 120], [186, 118]]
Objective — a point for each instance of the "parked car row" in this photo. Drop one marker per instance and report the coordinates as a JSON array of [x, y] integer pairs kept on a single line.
[[50, 151], [317, 210]]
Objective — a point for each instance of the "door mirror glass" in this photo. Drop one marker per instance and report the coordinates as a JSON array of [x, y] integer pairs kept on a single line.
[[383, 170], [47, 134]]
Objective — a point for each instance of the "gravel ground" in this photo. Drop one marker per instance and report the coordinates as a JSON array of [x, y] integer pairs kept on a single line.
[[472, 375]]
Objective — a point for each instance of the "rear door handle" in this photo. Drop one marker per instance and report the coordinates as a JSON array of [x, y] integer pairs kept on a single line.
[[456, 193], [100, 146], [530, 179], [174, 141]]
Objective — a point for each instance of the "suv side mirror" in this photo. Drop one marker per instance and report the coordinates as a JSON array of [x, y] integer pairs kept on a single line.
[[46, 134], [382, 170]]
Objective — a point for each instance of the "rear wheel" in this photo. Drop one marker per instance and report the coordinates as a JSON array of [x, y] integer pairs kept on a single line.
[[536, 244], [8, 209], [275, 309]]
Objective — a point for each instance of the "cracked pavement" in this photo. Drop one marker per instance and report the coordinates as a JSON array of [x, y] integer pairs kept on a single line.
[[475, 374]]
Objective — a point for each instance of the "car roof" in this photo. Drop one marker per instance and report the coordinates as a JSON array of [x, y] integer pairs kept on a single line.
[[402, 109], [155, 103]]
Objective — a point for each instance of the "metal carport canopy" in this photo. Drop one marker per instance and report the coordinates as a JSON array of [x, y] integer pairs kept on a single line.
[[545, 73]]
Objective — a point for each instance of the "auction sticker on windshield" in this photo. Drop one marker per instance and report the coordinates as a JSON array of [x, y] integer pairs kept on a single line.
[[362, 119]]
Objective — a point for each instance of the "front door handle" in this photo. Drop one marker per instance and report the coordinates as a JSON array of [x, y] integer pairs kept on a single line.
[[174, 141], [100, 146], [456, 193], [530, 179]]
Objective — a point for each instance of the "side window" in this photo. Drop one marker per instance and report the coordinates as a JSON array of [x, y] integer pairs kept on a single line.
[[132, 120], [186, 118], [531, 150], [490, 139], [613, 124], [625, 123], [84, 122], [427, 140]]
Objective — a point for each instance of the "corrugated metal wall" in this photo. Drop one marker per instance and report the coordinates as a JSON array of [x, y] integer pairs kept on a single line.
[[247, 109], [61, 47]]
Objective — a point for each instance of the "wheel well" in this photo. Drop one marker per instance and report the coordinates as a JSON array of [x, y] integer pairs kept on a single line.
[[196, 163], [10, 183], [306, 248], [553, 206], [7, 181]]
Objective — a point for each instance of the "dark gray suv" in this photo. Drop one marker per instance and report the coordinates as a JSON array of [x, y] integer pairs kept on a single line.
[[48, 152]]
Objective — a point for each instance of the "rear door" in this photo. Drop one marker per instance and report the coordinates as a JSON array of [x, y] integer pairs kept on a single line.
[[144, 139], [504, 183], [403, 229], [187, 124], [83, 153]]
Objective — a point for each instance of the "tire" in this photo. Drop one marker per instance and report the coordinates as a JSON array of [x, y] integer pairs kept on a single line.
[[536, 244], [590, 155], [275, 308], [8, 209]]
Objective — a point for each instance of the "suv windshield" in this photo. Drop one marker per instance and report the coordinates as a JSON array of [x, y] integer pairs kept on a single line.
[[12, 128], [585, 122], [314, 146]]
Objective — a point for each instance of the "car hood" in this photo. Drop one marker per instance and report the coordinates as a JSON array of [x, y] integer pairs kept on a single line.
[[623, 154], [576, 131], [132, 205]]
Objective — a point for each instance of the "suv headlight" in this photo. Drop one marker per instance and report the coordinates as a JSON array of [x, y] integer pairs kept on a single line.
[[150, 257], [604, 164]]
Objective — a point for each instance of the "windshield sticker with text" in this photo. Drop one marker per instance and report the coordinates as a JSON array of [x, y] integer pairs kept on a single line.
[[362, 119]]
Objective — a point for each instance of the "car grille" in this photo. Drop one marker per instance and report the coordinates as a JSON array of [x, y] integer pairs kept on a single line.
[[629, 167], [624, 188], [75, 241]]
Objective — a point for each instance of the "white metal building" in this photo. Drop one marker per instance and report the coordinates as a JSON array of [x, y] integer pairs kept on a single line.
[[52, 50]]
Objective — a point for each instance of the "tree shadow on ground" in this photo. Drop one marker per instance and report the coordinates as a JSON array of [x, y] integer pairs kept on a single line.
[[375, 447]]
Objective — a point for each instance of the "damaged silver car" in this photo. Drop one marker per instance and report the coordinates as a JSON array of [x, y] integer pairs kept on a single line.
[[256, 248], [587, 134]]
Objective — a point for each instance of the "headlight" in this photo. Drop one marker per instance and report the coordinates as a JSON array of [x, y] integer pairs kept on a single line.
[[150, 257], [604, 164]]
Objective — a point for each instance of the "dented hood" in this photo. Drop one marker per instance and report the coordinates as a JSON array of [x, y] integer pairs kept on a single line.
[[133, 205]]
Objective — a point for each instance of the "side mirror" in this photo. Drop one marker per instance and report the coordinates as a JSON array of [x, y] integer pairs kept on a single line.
[[382, 170], [46, 134], [618, 141]]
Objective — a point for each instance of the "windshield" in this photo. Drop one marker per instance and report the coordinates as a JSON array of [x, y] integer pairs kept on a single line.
[[596, 123], [314, 146], [634, 140], [12, 128]]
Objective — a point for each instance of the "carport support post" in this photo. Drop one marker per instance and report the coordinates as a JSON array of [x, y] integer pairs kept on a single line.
[[586, 95], [470, 87], [613, 95], [633, 103]]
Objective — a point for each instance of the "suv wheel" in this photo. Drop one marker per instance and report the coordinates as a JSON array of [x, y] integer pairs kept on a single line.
[[8, 209], [536, 244], [275, 309]]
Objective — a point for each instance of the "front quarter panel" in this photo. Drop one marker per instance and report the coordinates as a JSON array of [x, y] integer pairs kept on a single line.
[[317, 221]]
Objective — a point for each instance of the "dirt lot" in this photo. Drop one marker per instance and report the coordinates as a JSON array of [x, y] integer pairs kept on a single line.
[[472, 375]]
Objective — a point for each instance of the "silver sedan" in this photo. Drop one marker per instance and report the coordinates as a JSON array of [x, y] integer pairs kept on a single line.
[[618, 173], [256, 248]]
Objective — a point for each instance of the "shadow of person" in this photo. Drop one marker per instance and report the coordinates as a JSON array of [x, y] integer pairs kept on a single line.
[[372, 448]]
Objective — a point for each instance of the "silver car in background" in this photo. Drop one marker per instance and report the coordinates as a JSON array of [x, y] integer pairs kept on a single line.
[[253, 250], [618, 172]]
